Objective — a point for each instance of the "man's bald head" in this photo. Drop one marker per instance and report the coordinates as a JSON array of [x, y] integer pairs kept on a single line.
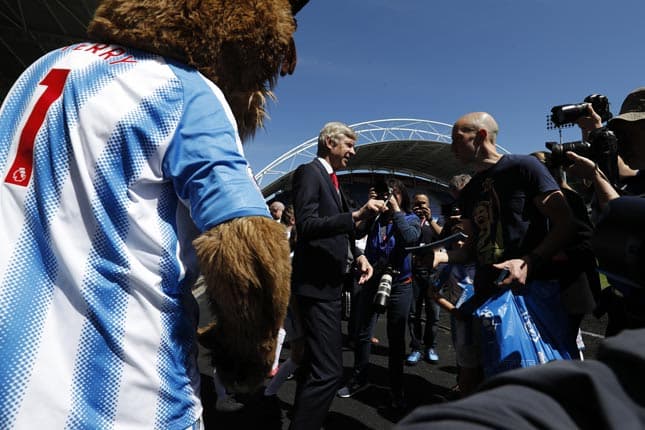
[[481, 120], [474, 137]]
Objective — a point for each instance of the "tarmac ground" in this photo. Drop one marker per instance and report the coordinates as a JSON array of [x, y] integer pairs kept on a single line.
[[424, 383]]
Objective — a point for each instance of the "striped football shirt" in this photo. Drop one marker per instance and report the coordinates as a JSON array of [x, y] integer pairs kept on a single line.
[[112, 162]]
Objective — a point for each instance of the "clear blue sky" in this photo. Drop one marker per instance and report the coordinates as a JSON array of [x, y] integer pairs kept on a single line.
[[362, 60]]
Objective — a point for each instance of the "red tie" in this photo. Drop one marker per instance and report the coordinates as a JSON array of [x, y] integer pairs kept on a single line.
[[334, 179]]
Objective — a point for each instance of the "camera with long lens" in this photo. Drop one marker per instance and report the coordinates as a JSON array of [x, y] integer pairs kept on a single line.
[[602, 150], [567, 115], [602, 145], [384, 289]]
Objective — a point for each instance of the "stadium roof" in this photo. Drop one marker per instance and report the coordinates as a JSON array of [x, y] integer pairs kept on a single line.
[[30, 28]]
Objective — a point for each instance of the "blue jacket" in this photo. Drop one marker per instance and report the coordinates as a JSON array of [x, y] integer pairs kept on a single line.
[[386, 242]]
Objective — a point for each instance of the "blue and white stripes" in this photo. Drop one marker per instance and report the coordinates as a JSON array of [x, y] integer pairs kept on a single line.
[[95, 252]]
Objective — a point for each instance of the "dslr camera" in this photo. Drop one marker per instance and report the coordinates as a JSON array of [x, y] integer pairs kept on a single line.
[[567, 115], [385, 195], [602, 147]]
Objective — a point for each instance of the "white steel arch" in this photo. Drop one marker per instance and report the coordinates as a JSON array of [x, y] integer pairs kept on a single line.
[[389, 131], [396, 129]]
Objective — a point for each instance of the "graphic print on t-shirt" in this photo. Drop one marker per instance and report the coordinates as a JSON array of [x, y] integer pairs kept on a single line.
[[486, 216]]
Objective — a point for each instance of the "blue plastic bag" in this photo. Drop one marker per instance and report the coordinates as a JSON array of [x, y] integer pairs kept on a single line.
[[523, 328]]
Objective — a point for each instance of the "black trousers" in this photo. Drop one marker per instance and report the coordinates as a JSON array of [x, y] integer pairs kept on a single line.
[[418, 333], [323, 362]]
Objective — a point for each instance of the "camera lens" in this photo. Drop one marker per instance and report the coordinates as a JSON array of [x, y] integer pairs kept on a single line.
[[567, 114], [559, 150], [383, 293]]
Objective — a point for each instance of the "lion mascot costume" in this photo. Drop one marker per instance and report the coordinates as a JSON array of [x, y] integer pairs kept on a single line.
[[124, 179]]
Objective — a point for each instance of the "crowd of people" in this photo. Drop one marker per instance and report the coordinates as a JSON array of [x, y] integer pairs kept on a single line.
[[527, 233], [125, 180]]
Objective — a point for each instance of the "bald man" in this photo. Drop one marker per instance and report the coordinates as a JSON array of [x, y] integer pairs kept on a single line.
[[514, 210]]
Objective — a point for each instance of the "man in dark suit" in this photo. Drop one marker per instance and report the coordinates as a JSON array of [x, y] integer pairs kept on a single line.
[[323, 259]]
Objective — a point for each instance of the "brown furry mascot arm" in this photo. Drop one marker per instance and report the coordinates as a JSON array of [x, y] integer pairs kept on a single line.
[[246, 266]]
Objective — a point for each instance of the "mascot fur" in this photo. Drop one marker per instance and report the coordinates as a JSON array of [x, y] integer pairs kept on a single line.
[[96, 328]]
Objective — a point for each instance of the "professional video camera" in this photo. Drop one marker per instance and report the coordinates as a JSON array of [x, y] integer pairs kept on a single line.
[[384, 289], [567, 115]]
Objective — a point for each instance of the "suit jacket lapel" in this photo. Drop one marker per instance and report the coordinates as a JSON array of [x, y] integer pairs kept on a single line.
[[330, 185]]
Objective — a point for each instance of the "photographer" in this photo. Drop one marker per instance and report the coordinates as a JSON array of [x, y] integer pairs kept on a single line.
[[387, 238], [629, 129], [617, 241], [421, 333]]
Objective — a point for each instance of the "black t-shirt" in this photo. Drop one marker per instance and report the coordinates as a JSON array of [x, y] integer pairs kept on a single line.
[[499, 204]]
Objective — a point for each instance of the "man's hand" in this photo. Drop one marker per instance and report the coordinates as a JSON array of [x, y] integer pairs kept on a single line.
[[587, 169], [439, 257], [423, 212], [369, 210], [589, 123], [394, 204], [518, 271], [364, 268]]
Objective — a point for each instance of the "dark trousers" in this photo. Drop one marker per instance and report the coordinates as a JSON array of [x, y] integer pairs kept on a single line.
[[322, 364], [421, 280], [398, 308]]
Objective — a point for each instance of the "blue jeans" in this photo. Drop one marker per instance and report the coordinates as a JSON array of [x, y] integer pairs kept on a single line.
[[398, 308]]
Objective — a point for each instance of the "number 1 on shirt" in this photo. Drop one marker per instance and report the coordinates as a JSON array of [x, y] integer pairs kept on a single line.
[[20, 171]]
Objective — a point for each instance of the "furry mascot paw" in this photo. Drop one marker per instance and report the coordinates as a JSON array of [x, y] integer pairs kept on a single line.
[[245, 263]]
